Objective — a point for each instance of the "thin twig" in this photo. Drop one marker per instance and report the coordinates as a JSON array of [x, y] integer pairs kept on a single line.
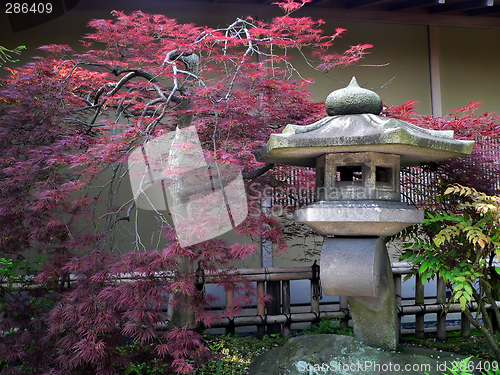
[[127, 215]]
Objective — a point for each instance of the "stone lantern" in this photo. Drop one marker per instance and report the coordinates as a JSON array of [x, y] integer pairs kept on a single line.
[[357, 155]]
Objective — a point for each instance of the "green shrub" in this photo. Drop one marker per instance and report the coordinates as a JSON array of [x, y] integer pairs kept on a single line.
[[236, 353], [328, 326], [232, 355]]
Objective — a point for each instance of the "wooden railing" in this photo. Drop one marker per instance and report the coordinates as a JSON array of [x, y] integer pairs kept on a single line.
[[277, 316]]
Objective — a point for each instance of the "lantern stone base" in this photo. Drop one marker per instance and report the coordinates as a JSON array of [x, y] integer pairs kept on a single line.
[[375, 319], [359, 268]]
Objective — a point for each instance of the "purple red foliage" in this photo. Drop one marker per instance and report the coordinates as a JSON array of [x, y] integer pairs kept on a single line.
[[69, 122], [481, 169]]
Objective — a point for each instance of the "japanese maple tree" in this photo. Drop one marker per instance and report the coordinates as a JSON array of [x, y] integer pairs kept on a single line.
[[70, 121]]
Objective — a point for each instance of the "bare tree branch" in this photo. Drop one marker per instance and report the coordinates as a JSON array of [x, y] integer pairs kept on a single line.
[[127, 215], [258, 172]]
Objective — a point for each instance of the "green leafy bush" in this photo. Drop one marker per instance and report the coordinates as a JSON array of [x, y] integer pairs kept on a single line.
[[460, 245], [231, 355], [328, 326], [5, 54]]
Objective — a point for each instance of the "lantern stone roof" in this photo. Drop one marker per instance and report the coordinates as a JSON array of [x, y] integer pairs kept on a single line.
[[354, 125]]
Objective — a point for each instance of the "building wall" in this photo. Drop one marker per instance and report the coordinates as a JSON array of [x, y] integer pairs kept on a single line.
[[470, 67], [398, 59]]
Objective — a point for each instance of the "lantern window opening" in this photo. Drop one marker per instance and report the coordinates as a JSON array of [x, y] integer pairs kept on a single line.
[[349, 175], [384, 176]]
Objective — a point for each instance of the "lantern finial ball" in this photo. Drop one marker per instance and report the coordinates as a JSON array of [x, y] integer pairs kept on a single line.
[[353, 100]]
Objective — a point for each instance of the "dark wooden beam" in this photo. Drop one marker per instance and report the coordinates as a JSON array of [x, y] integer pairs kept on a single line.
[[316, 2], [485, 10], [362, 3], [414, 4], [465, 5], [177, 8]]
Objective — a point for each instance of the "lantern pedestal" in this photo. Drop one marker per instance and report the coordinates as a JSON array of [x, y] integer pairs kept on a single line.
[[359, 268]]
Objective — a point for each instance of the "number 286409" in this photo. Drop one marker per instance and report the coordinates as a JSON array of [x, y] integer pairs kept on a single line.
[[25, 8]]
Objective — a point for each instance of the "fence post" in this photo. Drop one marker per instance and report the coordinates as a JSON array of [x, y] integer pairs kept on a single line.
[[261, 309], [315, 291], [286, 307], [419, 301], [344, 307], [464, 326], [441, 317], [397, 290], [229, 305], [274, 306], [200, 286]]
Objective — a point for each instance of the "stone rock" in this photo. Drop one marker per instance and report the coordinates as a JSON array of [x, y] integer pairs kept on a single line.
[[335, 354]]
